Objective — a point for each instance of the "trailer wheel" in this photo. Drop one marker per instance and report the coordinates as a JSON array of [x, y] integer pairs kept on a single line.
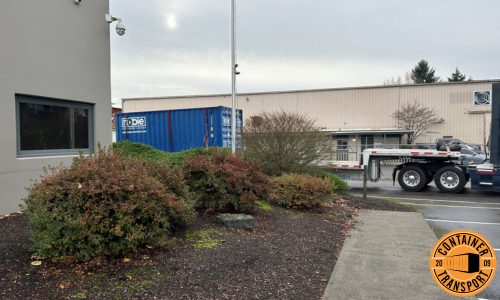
[[450, 179], [412, 178]]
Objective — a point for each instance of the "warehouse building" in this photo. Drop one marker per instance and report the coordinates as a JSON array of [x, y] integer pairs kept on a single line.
[[55, 90], [359, 117]]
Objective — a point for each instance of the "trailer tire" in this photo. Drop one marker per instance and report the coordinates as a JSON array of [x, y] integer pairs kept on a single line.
[[412, 178], [450, 179]]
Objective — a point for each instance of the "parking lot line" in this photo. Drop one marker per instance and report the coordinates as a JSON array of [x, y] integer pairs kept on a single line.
[[450, 205], [431, 200], [450, 221]]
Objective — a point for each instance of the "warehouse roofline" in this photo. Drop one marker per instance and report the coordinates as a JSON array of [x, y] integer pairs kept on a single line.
[[318, 90]]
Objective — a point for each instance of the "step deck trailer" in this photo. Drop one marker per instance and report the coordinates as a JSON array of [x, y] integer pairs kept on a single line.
[[444, 167], [427, 165]]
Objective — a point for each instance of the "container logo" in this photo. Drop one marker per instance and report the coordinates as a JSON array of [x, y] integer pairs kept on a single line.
[[134, 123], [463, 263]]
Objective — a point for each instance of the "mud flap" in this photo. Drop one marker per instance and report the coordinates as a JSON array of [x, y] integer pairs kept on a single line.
[[394, 176]]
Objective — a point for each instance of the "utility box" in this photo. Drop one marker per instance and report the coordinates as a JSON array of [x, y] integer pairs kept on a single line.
[[180, 129]]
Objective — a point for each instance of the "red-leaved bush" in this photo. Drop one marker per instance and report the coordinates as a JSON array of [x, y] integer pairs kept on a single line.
[[106, 203], [225, 182], [298, 190]]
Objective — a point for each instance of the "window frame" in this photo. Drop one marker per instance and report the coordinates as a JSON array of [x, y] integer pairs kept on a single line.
[[346, 145], [53, 102]]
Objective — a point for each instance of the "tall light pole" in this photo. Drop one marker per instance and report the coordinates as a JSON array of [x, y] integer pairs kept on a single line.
[[233, 79]]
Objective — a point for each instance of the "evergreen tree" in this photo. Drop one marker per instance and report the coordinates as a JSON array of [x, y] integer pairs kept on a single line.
[[422, 73], [456, 76]]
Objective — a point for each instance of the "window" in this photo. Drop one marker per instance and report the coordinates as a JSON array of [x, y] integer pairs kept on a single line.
[[466, 151], [342, 144], [53, 127]]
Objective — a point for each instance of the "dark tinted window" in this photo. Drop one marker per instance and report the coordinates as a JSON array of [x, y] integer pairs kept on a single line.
[[46, 126]]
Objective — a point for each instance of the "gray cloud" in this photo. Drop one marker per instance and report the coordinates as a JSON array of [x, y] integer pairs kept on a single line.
[[181, 47]]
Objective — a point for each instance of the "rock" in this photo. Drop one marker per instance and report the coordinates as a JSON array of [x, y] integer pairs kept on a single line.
[[237, 221]]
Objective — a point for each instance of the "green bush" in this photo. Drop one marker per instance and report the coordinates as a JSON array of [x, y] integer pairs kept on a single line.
[[225, 182], [139, 149], [341, 187], [300, 190], [106, 203]]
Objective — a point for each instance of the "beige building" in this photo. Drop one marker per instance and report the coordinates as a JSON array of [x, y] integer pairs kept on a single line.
[[359, 117]]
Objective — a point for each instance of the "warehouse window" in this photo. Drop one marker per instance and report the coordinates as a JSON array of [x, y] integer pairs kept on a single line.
[[48, 127], [342, 144]]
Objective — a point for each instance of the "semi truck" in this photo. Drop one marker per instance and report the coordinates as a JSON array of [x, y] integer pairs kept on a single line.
[[423, 166]]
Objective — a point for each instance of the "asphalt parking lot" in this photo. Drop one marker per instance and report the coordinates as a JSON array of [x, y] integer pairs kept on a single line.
[[478, 211]]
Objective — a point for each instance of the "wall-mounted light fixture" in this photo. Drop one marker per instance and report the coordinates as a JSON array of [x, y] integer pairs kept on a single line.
[[120, 27], [78, 1], [353, 140]]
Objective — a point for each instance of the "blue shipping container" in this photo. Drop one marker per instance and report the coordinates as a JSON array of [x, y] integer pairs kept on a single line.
[[180, 129]]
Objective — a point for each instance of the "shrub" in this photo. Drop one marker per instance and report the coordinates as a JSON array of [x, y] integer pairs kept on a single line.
[[285, 142], [341, 187], [106, 203], [300, 190], [226, 182], [146, 151]]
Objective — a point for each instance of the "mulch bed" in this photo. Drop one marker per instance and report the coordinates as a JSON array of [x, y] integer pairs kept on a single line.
[[291, 255]]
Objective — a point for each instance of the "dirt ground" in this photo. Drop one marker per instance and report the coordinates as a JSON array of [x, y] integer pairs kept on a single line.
[[291, 255]]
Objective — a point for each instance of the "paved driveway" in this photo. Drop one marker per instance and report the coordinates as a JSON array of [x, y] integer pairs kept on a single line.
[[478, 211]]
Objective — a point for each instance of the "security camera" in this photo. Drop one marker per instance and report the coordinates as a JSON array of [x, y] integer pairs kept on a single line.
[[120, 28], [78, 1]]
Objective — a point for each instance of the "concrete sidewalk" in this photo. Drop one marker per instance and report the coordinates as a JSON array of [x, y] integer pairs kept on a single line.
[[386, 257]]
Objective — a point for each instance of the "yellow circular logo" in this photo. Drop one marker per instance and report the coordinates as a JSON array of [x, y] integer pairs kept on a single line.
[[463, 263]]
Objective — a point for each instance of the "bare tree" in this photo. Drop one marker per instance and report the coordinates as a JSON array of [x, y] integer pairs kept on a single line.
[[400, 80], [285, 141], [408, 79], [414, 116]]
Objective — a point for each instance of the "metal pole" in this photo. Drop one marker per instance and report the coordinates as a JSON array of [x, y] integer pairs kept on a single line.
[[233, 81], [364, 181]]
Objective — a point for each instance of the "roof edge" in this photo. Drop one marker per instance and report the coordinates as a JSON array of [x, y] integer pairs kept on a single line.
[[316, 90]]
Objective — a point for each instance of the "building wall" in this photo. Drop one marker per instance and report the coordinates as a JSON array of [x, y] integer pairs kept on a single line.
[[354, 108], [54, 49]]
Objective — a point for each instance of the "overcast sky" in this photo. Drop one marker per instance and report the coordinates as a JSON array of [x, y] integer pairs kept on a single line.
[[183, 47]]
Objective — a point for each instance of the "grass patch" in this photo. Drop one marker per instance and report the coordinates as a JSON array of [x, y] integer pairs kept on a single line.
[[80, 295], [439, 232], [135, 279], [205, 239], [394, 200], [264, 205]]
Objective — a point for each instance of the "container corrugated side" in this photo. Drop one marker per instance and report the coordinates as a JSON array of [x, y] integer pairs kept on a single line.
[[180, 129]]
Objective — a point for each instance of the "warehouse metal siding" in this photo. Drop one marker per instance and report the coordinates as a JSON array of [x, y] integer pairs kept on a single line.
[[354, 108]]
